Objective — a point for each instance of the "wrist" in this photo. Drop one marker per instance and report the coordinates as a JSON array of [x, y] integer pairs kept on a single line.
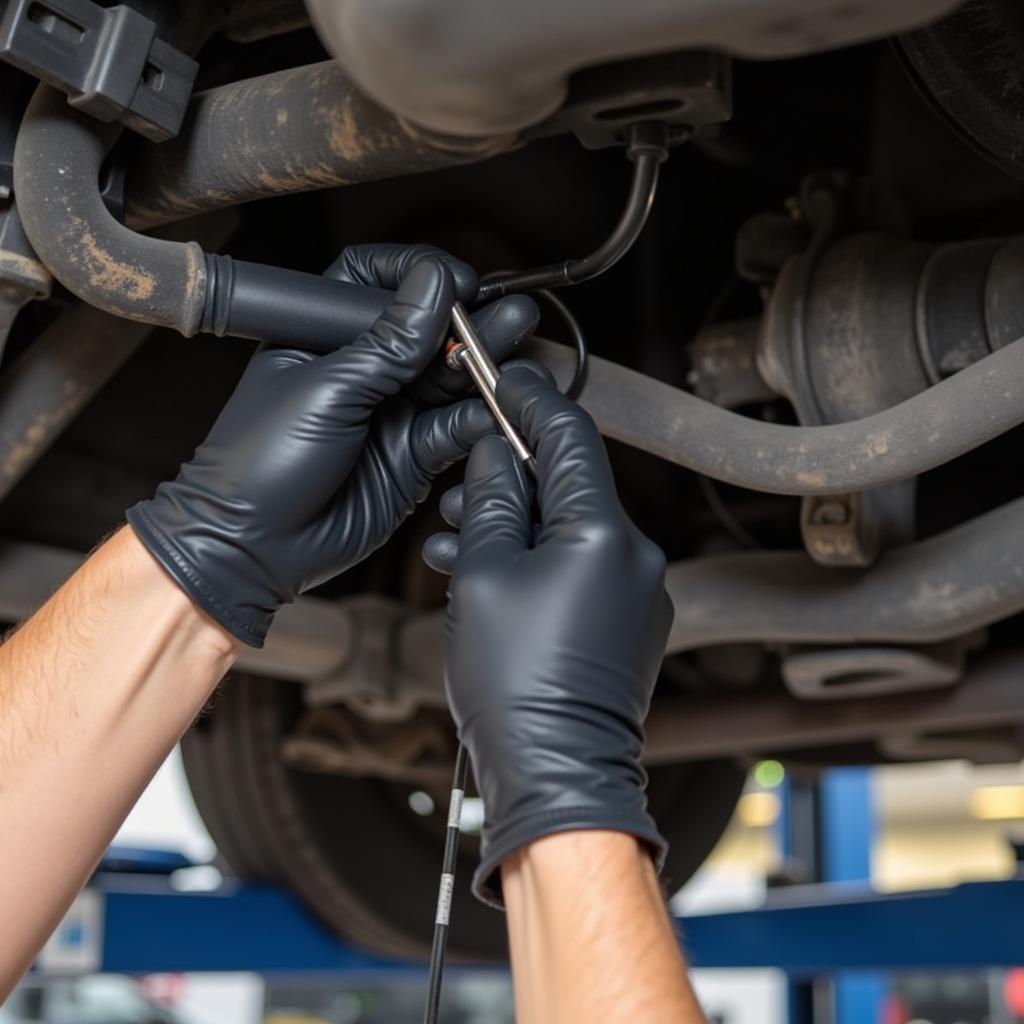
[[555, 859], [590, 935], [625, 816], [191, 554], [553, 783], [185, 617]]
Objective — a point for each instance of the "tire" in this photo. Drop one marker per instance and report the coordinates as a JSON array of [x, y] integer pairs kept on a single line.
[[353, 850]]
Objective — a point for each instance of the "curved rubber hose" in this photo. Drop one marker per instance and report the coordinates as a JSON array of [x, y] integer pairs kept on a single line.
[[57, 163], [956, 416]]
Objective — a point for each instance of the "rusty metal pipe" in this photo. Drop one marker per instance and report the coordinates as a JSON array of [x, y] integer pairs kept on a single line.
[[156, 281], [54, 380], [57, 163], [66, 366], [299, 130], [294, 131]]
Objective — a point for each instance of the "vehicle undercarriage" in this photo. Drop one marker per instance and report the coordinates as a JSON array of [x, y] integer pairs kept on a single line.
[[809, 369]]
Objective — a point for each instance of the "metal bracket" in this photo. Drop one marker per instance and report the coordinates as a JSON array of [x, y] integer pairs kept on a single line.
[[838, 673], [107, 59], [836, 530], [687, 91], [853, 529]]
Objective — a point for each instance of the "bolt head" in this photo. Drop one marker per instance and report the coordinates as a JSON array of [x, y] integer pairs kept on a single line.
[[830, 513]]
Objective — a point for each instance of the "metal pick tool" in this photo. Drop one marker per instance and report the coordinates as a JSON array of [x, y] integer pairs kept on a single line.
[[470, 354]]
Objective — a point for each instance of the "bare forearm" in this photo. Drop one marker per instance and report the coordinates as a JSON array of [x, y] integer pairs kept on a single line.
[[590, 936], [95, 690]]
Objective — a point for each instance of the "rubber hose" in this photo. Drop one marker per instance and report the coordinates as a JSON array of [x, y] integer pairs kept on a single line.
[[57, 162], [953, 417]]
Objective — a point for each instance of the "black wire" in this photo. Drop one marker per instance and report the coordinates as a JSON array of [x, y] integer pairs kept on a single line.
[[579, 340], [648, 149], [642, 188], [725, 516], [444, 896], [576, 336]]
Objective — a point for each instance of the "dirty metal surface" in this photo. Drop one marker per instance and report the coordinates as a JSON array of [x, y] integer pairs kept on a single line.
[[56, 377], [988, 698], [292, 131]]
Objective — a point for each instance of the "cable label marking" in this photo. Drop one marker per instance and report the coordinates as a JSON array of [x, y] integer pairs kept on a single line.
[[444, 899], [455, 808]]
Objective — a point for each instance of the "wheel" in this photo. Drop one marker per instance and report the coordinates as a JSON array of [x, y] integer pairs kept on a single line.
[[355, 851]]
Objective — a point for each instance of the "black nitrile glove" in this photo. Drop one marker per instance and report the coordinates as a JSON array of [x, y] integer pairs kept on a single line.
[[554, 634], [316, 460]]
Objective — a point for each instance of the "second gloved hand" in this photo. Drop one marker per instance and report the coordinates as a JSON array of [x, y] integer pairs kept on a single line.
[[316, 460], [554, 633]]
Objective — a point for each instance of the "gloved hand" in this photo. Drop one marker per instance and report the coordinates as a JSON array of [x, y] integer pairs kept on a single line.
[[316, 460], [553, 635]]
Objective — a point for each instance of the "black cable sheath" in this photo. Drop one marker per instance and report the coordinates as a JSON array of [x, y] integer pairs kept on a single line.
[[648, 149], [579, 340], [616, 245], [444, 896], [642, 188]]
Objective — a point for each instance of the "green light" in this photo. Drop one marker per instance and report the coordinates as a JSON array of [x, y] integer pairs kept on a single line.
[[769, 774]]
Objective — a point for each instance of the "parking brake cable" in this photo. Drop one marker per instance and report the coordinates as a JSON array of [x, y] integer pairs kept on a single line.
[[647, 148]]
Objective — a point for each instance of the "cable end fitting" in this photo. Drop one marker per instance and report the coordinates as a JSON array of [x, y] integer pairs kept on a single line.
[[648, 138]]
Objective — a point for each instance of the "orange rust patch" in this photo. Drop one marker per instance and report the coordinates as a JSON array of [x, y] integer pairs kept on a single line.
[[343, 130], [111, 275], [275, 182], [325, 176], [196, 268], [26, 451], [16, 458]]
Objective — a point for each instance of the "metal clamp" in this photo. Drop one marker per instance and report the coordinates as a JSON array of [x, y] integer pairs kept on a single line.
[[107, 59]]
